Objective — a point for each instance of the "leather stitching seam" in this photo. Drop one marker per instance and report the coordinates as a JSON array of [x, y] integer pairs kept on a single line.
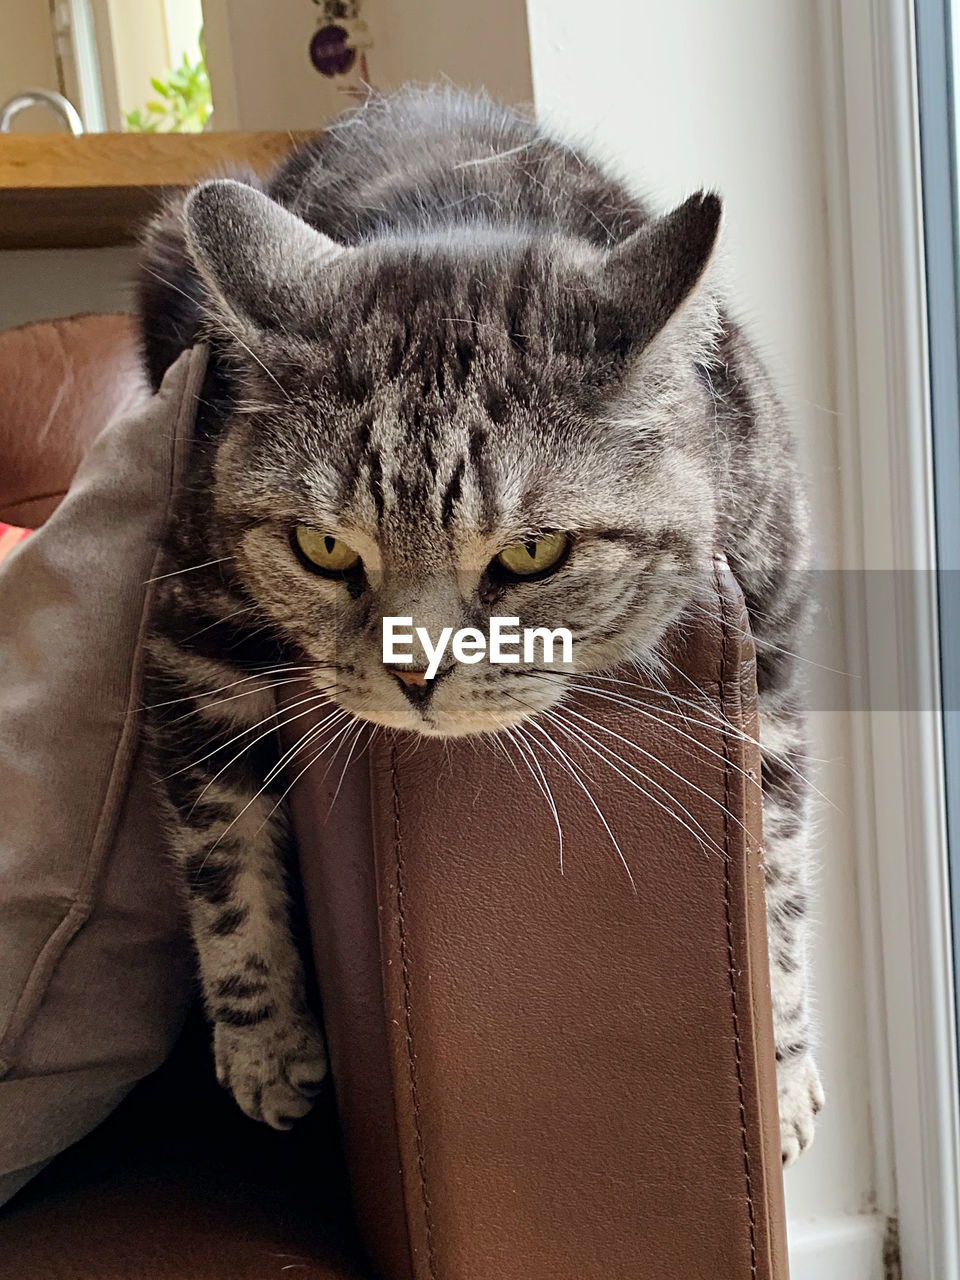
[[727, 894], [408, 1018]]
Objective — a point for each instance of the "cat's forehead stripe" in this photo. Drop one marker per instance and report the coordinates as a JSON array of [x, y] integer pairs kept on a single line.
[[452, 494]]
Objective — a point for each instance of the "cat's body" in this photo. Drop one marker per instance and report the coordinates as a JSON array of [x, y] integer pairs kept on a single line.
[[491, 344]]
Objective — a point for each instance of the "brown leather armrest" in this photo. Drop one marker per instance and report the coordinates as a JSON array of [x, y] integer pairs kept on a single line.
[[545, 1076], [62, 381]]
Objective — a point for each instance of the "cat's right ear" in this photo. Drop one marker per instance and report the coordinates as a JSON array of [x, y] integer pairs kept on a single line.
[[657, 269], [258, 259]]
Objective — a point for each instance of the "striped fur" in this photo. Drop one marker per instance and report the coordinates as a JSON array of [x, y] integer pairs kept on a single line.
[[436, 332]]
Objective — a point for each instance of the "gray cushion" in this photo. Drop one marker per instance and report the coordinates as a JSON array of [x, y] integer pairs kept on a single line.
[[94, 961]]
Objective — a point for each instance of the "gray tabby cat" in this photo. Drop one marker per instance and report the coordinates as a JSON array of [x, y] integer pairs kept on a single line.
[[457, 370]]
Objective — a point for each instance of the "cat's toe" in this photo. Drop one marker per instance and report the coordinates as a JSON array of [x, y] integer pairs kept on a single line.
[[273, 1075], [800, 1098]]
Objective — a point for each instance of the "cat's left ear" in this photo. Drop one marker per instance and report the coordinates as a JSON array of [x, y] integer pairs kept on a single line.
[[260, 261], [656, 270]]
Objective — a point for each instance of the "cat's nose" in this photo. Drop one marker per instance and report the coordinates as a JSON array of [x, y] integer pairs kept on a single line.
[[415, 684], [410, 679]]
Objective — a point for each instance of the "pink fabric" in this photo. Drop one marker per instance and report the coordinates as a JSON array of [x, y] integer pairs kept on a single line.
[[10, 536]]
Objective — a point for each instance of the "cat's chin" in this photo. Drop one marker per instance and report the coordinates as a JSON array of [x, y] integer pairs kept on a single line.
[[443, 725]]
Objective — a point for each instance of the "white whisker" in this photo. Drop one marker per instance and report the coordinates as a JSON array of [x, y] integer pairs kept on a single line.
[[539, 778], [191, 569], [499, 155], [260, 790], [701, 834], [274, 728], [266, 674], [582, 740], [655, 715], [236, 337], [260, 688], [575, 772]]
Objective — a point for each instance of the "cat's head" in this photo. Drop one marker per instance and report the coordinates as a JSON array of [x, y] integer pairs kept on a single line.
[[481, 423]]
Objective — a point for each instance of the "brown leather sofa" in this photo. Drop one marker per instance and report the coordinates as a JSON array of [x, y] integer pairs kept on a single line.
[[536, 1076]]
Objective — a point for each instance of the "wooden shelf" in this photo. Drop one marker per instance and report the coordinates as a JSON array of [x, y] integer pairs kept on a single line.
[[59, 192]]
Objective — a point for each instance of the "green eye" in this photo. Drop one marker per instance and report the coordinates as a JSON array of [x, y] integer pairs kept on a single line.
[[535, 556], [324, 551]]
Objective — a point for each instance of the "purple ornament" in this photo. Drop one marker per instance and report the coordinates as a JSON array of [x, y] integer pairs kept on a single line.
[[329, 51]]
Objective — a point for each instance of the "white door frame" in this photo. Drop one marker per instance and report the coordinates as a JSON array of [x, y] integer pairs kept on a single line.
[[876, 227]]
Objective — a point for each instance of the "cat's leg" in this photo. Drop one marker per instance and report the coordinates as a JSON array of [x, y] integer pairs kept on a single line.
[[787, 870], [230, 843]]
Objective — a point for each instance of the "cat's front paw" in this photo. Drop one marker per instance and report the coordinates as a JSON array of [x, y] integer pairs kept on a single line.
[[273, 1070], [800, 1098]]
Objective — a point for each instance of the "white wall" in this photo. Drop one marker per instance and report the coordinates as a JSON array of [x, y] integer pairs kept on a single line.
[[729, 96], [28, 60], [261, 76]]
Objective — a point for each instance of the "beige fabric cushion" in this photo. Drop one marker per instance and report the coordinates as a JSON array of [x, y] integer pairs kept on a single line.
[[94, 962]]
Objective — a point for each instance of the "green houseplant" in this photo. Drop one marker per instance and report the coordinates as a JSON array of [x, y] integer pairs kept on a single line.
[[183, 103]]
